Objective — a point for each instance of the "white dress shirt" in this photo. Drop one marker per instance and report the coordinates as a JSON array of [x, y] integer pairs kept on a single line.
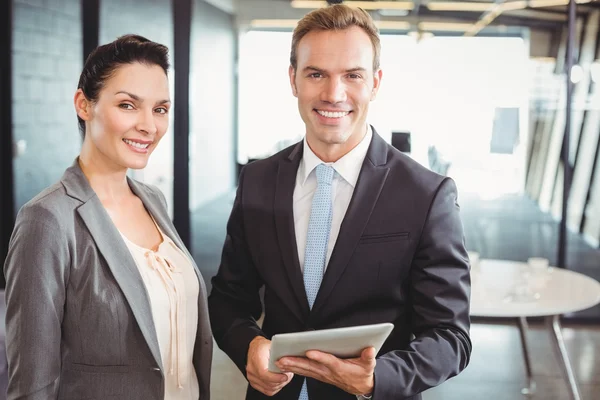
[[346, 174]]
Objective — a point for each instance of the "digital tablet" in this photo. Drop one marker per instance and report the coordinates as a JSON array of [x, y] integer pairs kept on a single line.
[[341, 342]]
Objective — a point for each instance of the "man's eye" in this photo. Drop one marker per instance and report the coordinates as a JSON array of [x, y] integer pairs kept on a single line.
[[315, 75]]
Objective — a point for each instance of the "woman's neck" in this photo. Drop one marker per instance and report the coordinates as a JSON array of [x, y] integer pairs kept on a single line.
[[106, 179]]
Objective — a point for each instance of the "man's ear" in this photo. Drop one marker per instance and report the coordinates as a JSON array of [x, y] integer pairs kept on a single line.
[[376, 82], [292, 74]]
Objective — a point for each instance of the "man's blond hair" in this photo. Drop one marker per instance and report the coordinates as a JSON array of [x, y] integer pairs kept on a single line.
[[336, 17]]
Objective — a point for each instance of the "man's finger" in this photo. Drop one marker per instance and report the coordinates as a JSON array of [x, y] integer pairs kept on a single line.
[[273, 377], [269, 387], [306, 373], [265, 388], [307, 368], [322, 358], [368, 354]]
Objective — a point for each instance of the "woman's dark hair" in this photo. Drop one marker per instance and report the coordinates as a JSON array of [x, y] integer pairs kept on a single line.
[[106, 59]]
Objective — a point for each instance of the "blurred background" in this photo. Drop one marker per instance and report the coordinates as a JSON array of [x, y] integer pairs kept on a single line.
[[481, 91]]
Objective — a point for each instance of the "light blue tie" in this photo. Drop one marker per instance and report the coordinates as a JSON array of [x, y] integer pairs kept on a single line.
[[317, 238]]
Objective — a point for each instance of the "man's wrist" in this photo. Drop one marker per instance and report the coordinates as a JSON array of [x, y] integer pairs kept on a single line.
[[370, 387]]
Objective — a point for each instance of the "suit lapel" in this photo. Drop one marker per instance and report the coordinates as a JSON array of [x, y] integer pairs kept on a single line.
[[123, 267], [115, 252], [372, 178], [284, 222]]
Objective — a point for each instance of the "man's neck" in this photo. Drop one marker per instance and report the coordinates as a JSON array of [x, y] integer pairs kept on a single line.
[[330, 153]]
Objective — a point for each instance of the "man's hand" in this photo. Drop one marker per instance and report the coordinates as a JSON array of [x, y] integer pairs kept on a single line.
[[354, 375], [258, 375]]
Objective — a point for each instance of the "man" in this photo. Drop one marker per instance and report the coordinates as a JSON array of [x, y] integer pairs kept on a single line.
[[342, 230]]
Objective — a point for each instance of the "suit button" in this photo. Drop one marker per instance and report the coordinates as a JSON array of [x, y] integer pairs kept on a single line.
[[156, 369]]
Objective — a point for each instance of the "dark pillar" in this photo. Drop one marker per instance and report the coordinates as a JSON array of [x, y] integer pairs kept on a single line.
[[562, 238], [182, 15], [7, 198], [90, 13]]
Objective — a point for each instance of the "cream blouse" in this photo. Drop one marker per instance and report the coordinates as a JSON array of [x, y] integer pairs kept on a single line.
[[172, 286]]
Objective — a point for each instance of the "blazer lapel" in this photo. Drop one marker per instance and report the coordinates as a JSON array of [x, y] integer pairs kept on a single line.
[[284, 222], [123, 268], [372, 178], [115, 252]]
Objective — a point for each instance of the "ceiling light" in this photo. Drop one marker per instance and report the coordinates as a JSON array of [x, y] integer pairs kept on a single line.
[[443, 26], [308, 4], [553, 3], [273, 23], [514, 5], [458, 6], [393, 25], [366, 5], [394, 13]]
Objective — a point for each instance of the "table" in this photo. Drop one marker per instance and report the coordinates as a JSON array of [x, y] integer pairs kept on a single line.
[[558, 291]]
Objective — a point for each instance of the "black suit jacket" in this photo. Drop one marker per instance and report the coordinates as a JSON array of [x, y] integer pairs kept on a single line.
[[399, 257]]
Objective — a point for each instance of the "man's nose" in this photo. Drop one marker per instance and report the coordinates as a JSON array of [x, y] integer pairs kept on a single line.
[[334, 91]]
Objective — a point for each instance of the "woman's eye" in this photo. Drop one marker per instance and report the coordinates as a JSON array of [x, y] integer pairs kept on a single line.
[[126, 106]]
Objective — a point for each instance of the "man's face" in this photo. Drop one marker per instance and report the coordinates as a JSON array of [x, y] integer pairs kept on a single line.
[[334, 82]]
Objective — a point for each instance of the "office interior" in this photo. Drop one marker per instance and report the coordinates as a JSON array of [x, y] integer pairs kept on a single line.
[[481, 91]]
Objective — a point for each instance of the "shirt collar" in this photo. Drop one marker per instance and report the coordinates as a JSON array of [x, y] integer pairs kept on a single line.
[[348, 167]]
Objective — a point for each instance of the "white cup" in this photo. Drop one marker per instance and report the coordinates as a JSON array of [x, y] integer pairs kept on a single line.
[[540, 269], [538, 264]]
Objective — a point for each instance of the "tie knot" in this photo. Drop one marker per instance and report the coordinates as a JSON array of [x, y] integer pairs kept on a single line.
[[325, 174]]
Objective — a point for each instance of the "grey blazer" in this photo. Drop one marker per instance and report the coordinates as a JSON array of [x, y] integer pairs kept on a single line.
[[78, 319]]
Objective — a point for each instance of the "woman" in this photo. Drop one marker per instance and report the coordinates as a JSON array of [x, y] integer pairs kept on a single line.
[[103, 299]]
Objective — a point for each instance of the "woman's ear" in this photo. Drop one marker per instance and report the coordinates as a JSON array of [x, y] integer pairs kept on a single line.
[[82, 105]]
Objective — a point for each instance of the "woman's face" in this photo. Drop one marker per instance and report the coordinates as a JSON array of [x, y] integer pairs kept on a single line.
[[130, 116]]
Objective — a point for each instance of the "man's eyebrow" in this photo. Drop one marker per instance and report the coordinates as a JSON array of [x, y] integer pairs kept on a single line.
[[316, 69], [311, 68], [356, 69]]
